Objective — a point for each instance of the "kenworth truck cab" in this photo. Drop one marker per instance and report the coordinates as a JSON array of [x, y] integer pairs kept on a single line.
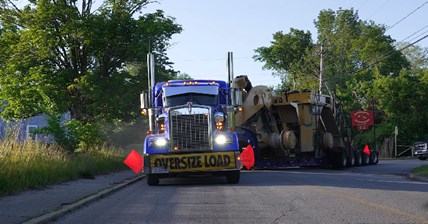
[[191, 128]]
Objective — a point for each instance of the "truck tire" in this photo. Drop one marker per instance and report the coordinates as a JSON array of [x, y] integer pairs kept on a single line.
[[233, 176], [423, 158], [152, 179], [358, 158]]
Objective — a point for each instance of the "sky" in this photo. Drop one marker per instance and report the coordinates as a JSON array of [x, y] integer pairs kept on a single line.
[[211, 28]]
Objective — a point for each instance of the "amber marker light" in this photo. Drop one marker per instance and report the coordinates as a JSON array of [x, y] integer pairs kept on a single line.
[[240, 109], [149, 132], [144, 112]]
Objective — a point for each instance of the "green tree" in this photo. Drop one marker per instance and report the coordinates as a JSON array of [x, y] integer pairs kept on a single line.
[[405, 103], [286, 56], [416, 55], [356, 54], [184, 76], [70, 57]]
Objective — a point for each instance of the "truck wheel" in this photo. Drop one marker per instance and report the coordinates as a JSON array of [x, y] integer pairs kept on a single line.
[[423, 158], [152, 179], [233, 176], [366, 159], [358, 158]]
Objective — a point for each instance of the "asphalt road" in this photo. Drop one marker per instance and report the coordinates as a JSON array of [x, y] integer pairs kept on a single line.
[[369, 194]]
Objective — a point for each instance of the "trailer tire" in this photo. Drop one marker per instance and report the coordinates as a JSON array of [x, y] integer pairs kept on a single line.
[[350, 160], [423, 158], [152, 179], [233, 177], [374, 159], [339, 159], [358, 158], [366, 159]]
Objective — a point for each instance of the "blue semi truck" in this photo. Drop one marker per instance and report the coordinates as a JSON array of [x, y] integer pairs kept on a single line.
[[191, 128]]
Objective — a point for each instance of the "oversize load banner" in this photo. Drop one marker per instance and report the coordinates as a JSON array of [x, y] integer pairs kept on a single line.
[[362, 118], [192, 162]]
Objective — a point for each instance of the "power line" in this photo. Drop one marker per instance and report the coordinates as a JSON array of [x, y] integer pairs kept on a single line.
[[213, 59], [419, 36], [365, 1], [377, 10], [399, 21], [384, 57], [414, 33]]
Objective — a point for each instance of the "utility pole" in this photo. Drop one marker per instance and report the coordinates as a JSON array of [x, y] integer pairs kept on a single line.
[[395, 140], [321, 70]]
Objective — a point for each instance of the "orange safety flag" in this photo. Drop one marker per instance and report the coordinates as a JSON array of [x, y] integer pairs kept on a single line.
[[247, 157], [134, 161], [366, 150]]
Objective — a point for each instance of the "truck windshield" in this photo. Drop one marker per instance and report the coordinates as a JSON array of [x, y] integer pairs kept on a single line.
[[195, 98]]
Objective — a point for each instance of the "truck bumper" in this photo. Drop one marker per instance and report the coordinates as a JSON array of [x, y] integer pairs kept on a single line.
[[206, 162]]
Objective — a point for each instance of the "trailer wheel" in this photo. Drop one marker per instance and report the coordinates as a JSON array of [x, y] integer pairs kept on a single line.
[[374, 159], [339, 159], [152, 179], [350, 160], [233, 176], [366, 159], [422, 158], [358, 158]]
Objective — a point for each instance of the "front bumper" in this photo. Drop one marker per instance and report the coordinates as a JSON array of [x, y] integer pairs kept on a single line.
[[421, 153], [191, 162]]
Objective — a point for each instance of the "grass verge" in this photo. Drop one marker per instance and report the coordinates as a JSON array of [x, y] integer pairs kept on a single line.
[[32, 165], [421, 171]]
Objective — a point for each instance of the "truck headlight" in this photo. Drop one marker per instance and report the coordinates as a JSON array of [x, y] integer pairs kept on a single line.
[[161, 142], [158, 142], [221, 139]]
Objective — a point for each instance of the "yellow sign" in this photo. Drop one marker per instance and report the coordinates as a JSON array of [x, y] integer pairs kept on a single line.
[[192, 162]]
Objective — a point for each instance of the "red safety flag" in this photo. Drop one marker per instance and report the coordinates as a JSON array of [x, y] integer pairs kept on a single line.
[[247, 157], [366, 150], [134, 161]]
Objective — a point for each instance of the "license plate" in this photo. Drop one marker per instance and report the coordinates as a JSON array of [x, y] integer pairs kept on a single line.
[[192, 162]]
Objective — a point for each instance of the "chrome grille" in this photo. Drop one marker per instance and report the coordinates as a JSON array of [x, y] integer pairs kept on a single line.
[[190, 129]]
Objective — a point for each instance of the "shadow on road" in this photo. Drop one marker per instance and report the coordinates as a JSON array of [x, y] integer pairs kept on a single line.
[[384, 176]]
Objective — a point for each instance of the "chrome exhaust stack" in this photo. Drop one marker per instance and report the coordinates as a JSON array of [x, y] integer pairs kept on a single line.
[[151, 84]]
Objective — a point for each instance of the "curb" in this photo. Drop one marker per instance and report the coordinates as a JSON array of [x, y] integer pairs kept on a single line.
[[50, 216]]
